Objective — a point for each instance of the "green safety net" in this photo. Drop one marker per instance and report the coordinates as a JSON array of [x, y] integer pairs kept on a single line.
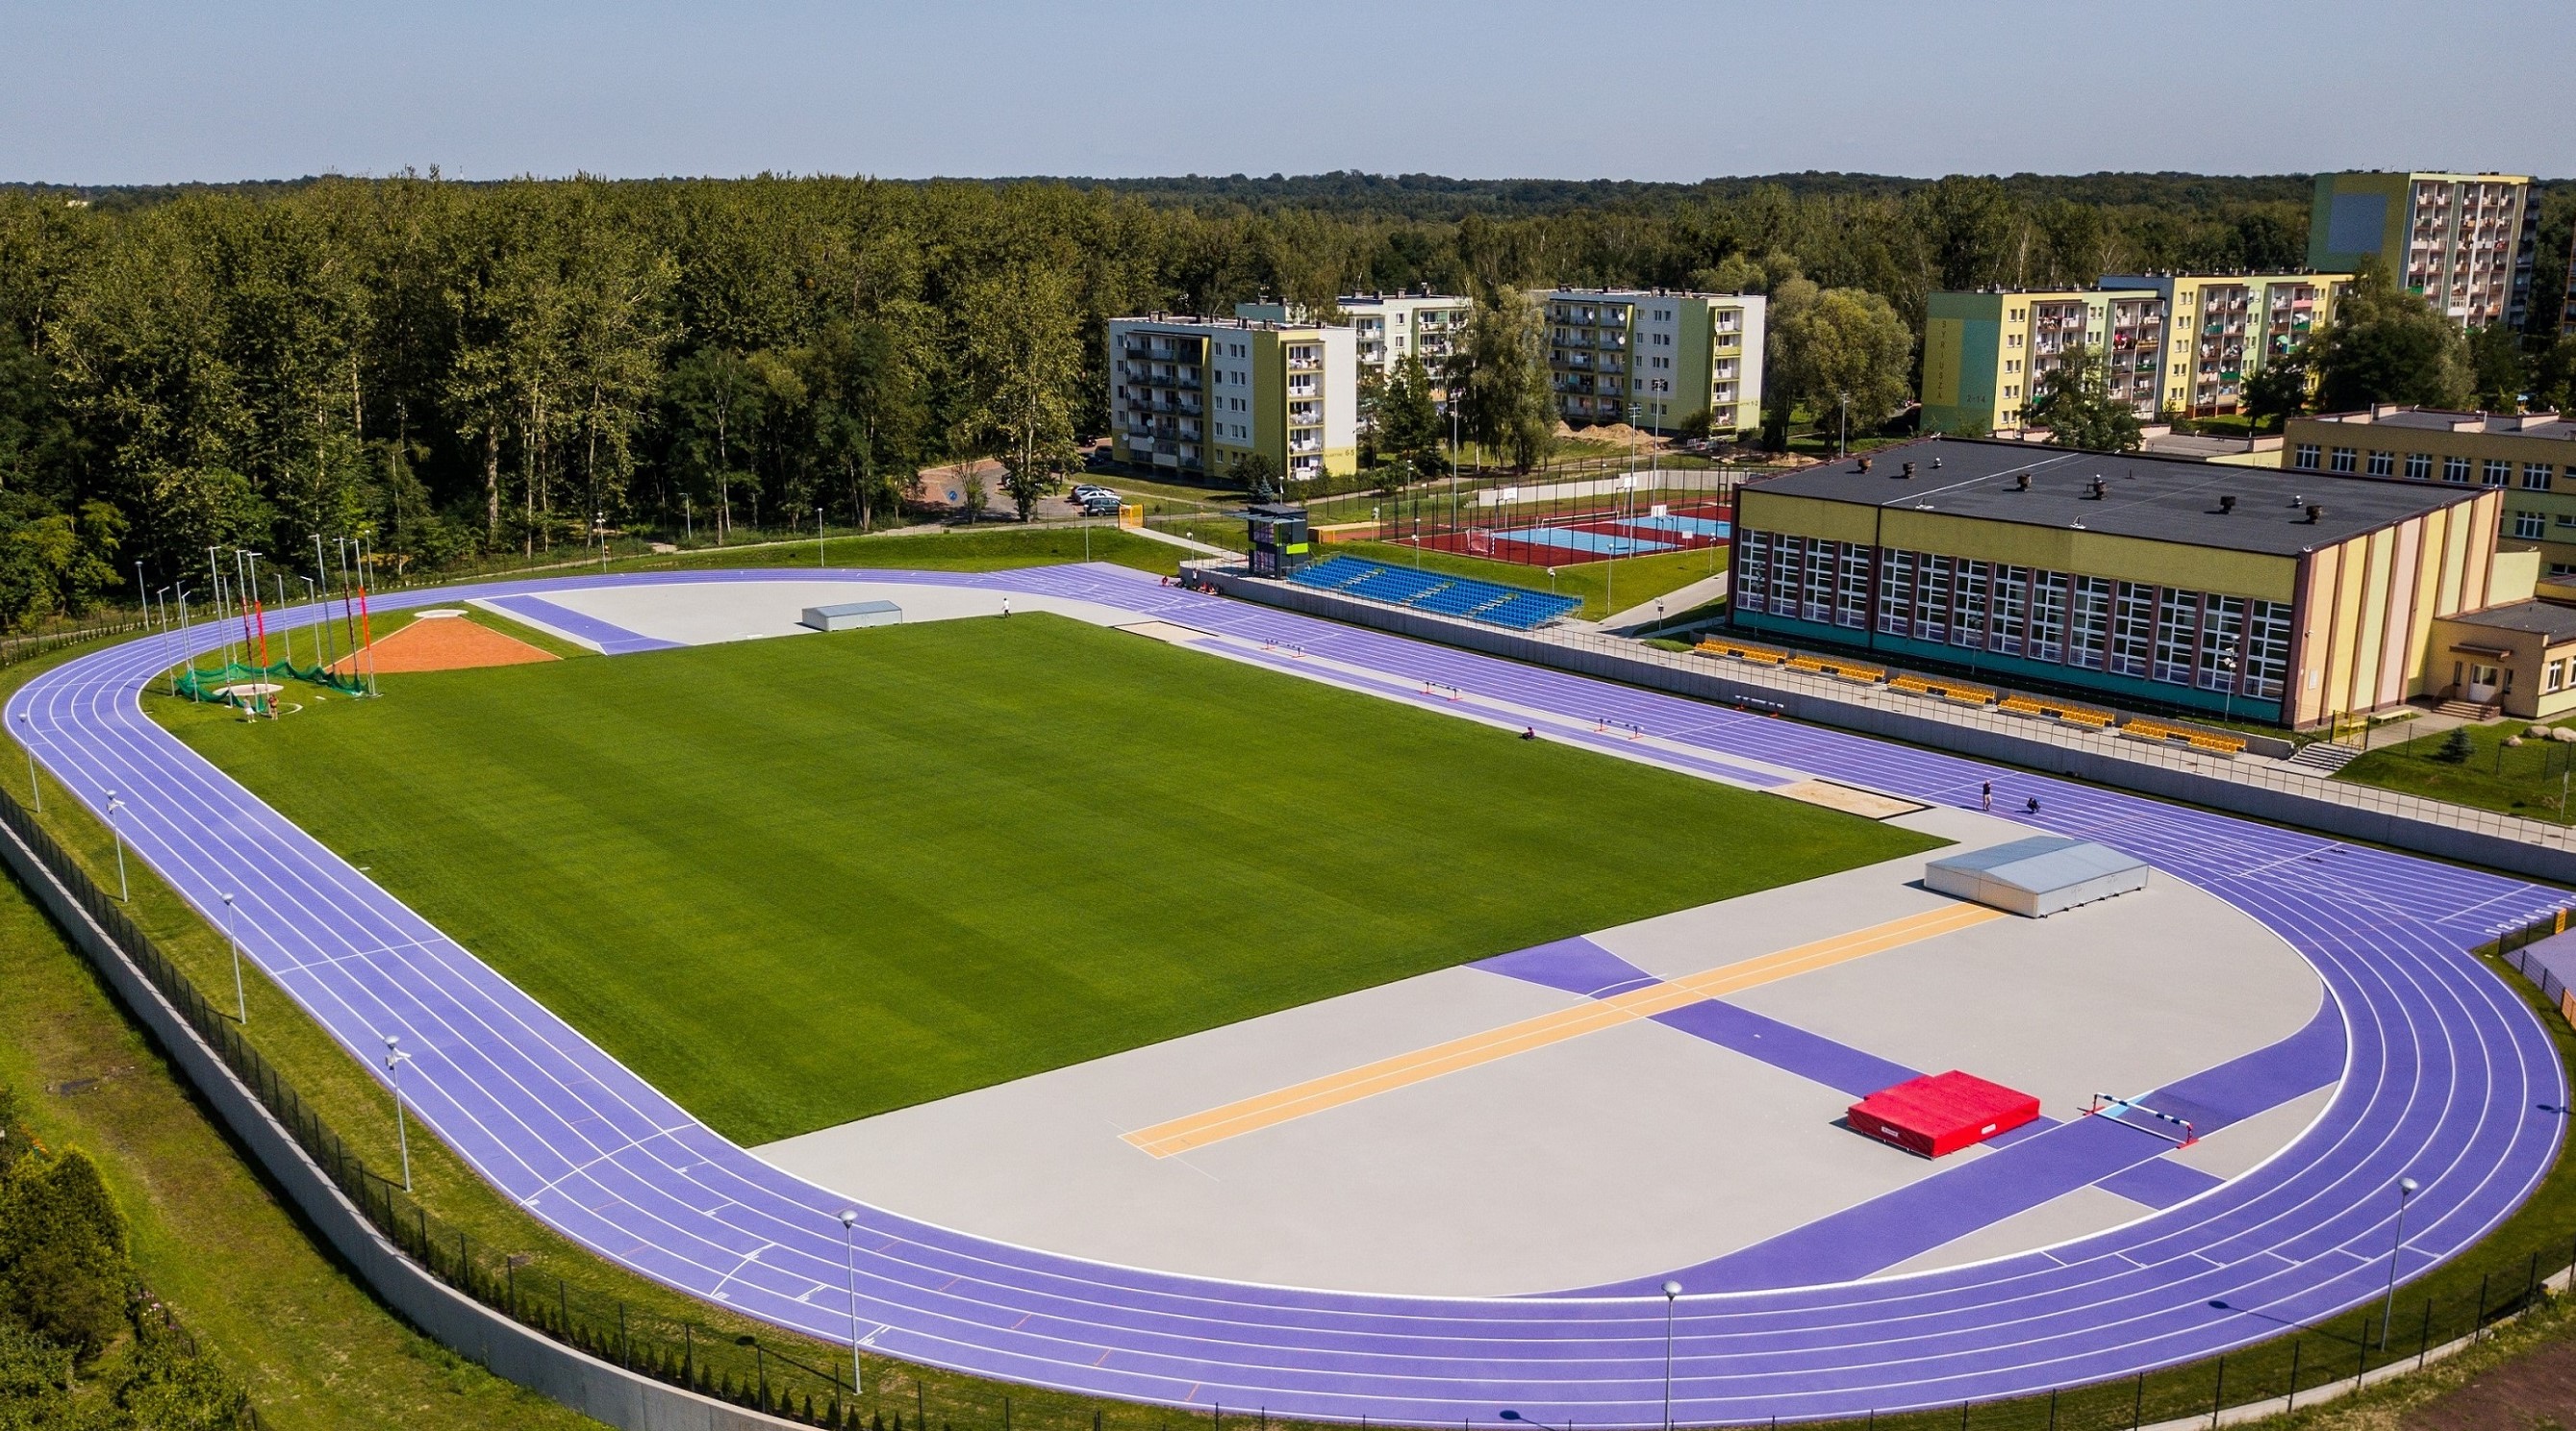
[[213, 683]]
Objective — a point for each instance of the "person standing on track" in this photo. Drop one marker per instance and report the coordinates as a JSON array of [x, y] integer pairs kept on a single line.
[[1988, 795]]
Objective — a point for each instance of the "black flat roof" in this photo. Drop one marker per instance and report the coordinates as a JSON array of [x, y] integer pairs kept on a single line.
[[2558, 623], [2157, 498]]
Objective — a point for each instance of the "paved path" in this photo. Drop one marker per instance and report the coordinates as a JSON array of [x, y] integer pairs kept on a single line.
[[1671, 603], [2448, 1079]]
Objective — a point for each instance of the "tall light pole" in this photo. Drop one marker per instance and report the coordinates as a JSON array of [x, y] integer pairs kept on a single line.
[[35, 788], [241, 995], [599, 530], [818, 539], [1842, 442], [2405, 1190], [123, 894], [395, 1058], [1672, 1293], [850, 1260], [284, 631]]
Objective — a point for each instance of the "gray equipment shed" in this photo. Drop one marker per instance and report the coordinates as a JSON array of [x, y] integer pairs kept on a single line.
[[853, 614], [2037, 877]]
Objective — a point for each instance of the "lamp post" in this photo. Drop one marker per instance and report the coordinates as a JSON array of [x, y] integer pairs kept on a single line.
[[395, 1058], [123, 894], [599, 531], [35, 789], [850, 1260], [818, 539], [2405, 1190], [241, 997], [1672, 1293], [1842, 440]]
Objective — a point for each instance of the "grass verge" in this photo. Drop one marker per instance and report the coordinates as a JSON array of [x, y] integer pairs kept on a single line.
[[2531, 779], [206, 1234]]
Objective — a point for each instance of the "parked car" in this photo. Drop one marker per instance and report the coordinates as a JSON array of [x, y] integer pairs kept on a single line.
[[1087, 492], [1104, 505], [1099, 459]]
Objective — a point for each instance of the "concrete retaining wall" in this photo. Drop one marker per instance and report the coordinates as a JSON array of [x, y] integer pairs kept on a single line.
[[520, 1354], [2288, 807]]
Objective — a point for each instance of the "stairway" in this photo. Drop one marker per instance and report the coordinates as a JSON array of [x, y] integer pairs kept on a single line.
[[2469, 710], [2323, 757]]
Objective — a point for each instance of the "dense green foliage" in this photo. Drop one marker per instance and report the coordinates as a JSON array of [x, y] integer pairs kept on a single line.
[[2074, 403], [788, 900], [81, 1347], [2387, 345], [474, 369]]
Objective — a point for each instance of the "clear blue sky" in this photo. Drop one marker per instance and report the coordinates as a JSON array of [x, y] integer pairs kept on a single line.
[[97, 91]]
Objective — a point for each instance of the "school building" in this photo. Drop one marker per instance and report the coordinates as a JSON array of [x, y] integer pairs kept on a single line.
[[2236, 591]]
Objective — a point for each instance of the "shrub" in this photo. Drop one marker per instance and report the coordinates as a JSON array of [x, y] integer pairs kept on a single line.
[[2456, 747]]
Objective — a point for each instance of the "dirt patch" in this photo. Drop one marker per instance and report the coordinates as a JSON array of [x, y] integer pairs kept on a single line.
[[2537, 1388], [444, 644]]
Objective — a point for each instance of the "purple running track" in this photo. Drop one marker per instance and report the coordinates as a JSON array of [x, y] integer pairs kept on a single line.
[[2447, 1078]]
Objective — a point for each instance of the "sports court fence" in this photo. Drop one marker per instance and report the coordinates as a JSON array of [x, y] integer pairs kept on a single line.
[[1555, 520], [2520, 1266]]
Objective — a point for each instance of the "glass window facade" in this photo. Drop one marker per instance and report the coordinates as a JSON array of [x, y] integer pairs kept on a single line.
[[2209, 641]]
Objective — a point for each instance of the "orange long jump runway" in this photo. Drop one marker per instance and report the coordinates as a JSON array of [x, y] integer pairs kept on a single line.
[[1232, 1120]]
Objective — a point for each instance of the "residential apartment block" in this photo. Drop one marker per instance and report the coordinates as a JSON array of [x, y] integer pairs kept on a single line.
[[1390, 327], [2223, 327], [2530, 456], [2464, 241], [1663, 356], [1984, 352], [2184, 342], [1416, 324], [2567, 312], [1193, 394]]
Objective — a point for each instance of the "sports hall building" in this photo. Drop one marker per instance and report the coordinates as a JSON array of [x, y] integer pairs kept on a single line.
[[2264, 594]]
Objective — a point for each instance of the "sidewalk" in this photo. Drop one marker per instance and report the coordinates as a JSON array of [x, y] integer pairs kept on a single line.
[[1671, 603]]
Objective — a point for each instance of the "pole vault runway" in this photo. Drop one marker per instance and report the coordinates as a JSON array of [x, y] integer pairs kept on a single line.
[[2449, 1079]]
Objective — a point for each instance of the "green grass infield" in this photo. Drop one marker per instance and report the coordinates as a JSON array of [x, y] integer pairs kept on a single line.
[[800, 881]]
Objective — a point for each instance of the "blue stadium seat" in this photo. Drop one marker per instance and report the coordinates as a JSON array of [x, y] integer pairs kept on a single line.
[[1491, 602]]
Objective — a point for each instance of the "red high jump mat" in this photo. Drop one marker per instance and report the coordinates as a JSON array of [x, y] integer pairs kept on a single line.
[[1942, 1113]]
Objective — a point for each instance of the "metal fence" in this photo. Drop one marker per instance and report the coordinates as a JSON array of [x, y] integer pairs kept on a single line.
[[14, 649]]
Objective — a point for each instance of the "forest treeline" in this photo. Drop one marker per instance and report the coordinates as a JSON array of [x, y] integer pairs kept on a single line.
[[494, 367]]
